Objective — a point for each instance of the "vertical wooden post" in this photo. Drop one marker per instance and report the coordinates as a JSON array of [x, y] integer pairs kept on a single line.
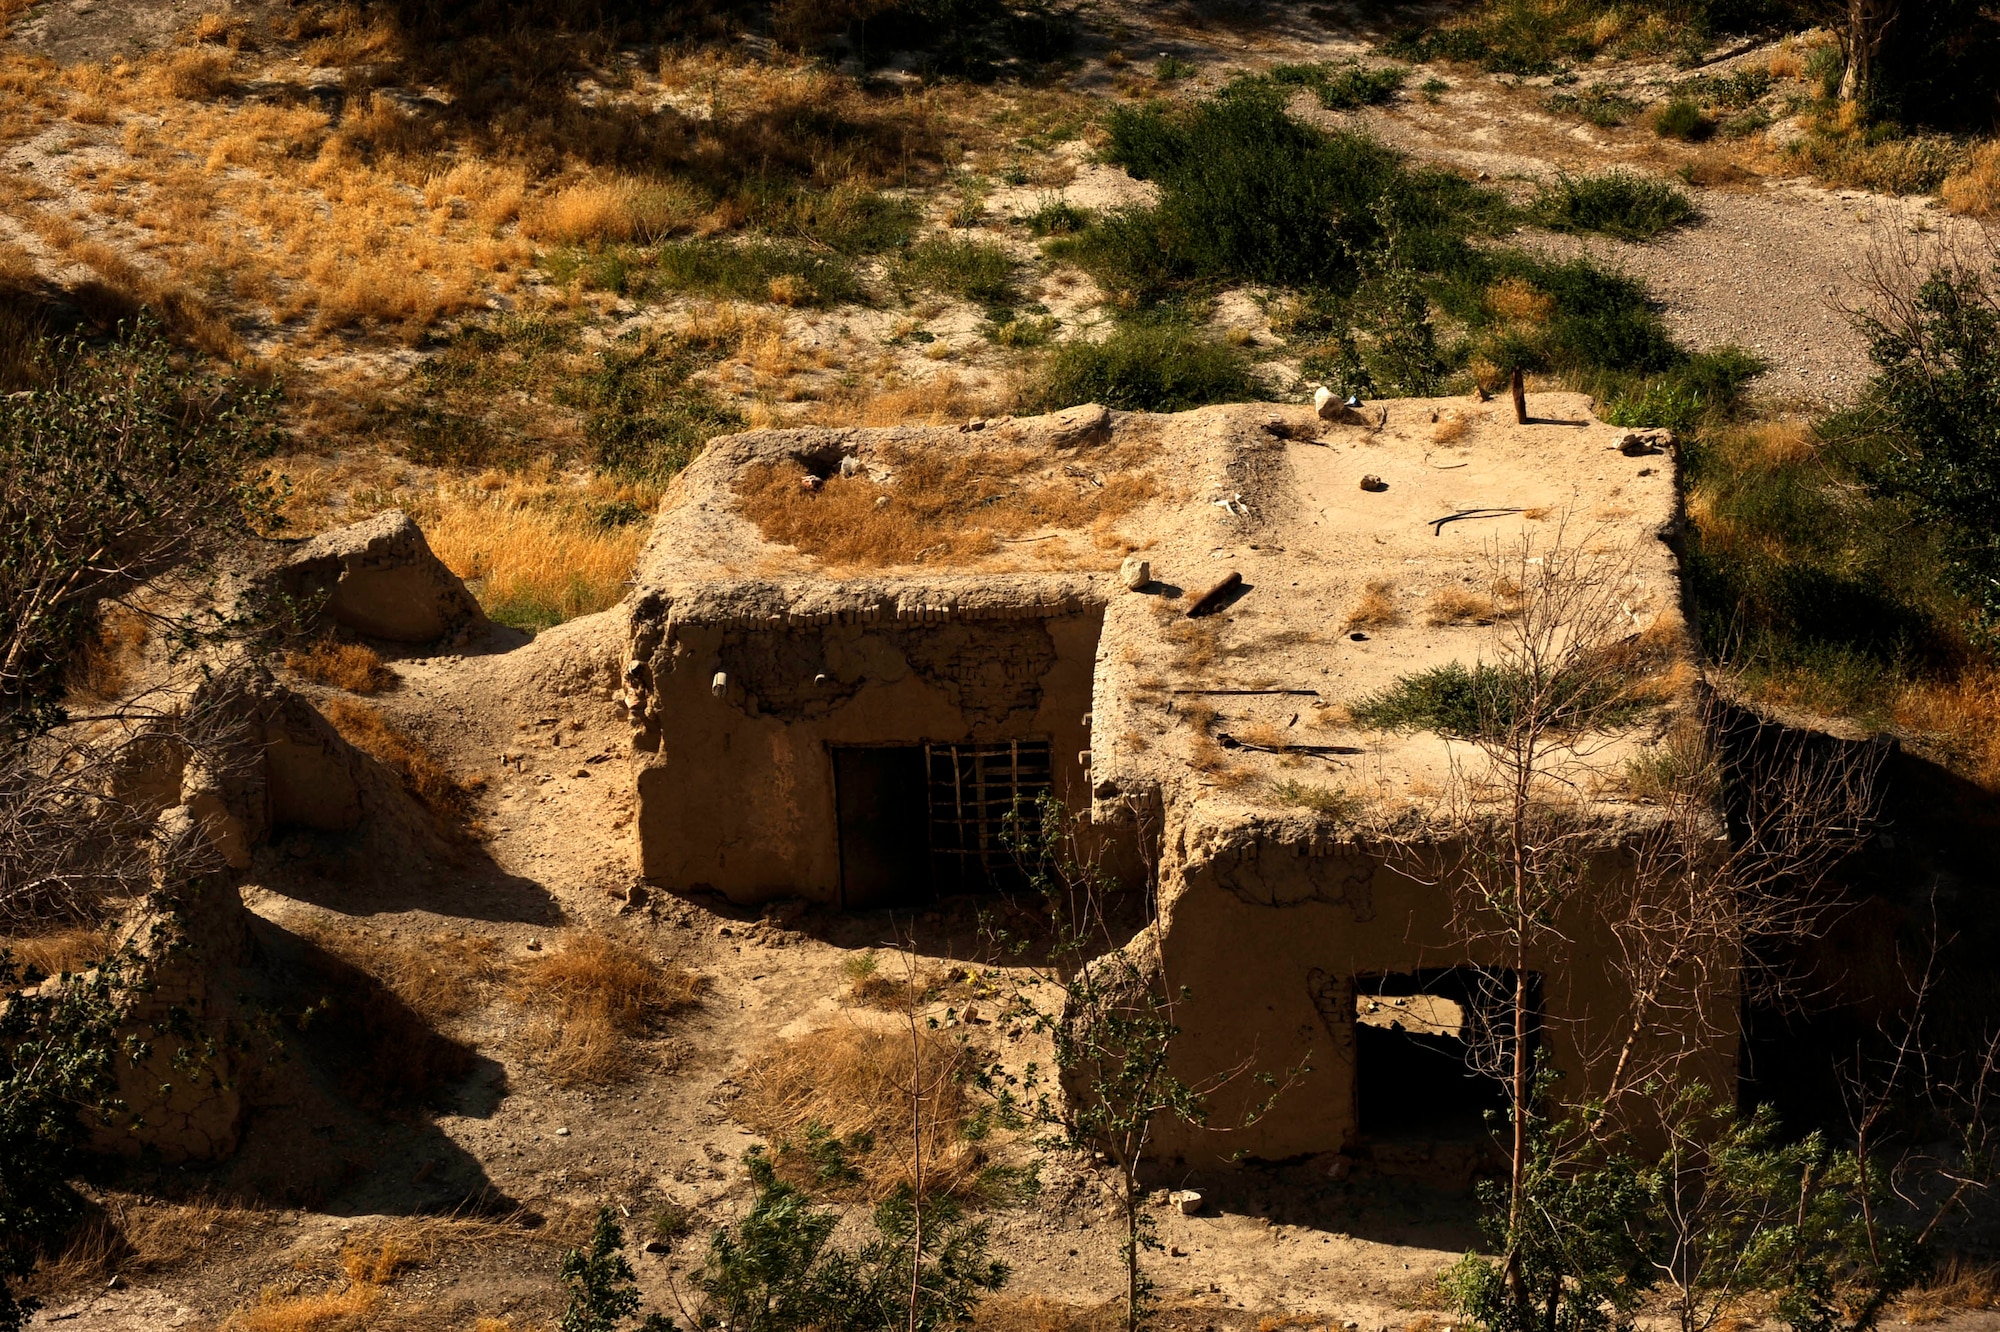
[[1520, 397]]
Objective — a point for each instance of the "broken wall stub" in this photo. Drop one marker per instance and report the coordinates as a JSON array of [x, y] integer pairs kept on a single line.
[[1274, 929], [379, 579], [737, 719]]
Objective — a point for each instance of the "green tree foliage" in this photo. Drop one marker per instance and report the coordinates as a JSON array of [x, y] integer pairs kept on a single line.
[[57, 1046], [777, 1270], [1730, 1209], [1572, 1262], [1931, 423], [120, 464]]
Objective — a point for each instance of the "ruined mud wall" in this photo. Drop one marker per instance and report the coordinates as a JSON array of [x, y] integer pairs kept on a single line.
[[1269, 927], [734, 724]]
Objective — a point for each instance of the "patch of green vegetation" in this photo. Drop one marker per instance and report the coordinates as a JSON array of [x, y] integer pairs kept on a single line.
[[1172, 69], [1342, 87], [1695, 393], [1333, 800], [1532, 37], [1434, 88], [642, 412], [1024, 331], [1056, 216], [1620, 204], [1599, 104], [1488, 700], [1162, 367], [752, 271], [1878, 157], [850, 220], [972, 270], [1249, 193], [1683, 119]]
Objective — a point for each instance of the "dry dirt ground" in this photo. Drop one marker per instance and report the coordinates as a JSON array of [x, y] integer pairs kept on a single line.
[[510, 1168]]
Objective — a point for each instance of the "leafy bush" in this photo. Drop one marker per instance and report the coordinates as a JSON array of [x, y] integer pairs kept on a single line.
[[1683, 118], [1249, 193], [1614, 203], [777, 1270], [56, 1051], [1343, 87], [1931, 423], [119, 464], [1145, 368]]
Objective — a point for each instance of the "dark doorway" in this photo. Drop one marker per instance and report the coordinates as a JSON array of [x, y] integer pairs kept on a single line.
[[1426, 1046], [882, 799]]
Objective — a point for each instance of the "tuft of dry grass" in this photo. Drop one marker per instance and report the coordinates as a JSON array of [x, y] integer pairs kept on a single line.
[[532, 563], [58, 951], [941, 505], [595, 211], [1450, 429], [403, 754], [323, 1311], [1961, 716], [597, 995], [857, 1084], [355, 667], [1960, 1286], [1377, 607], [440, 976], [1974, 189], [1453, 604]]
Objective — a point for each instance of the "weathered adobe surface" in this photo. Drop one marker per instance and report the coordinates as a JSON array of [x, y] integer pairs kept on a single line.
[[1201, 730]]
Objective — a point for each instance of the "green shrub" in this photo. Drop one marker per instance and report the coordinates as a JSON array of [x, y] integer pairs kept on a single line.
[[1683, 119], [1931, 423], [1145, 368], [1614, 203], [1342, 87], [973, 270], [1249, 193], [1685, 396], [1057, 217], [1172, 69], [850, 220]]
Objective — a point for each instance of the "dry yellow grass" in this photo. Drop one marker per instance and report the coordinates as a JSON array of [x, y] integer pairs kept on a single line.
[[439, 976], [942, 506], [1962, 716], [102, 669], [1974, 189], [1450, 428], [600, 210], [1453, 604], [531, 562], [1377, 607], [1958, 1287], [596, 995], [355, 667], [57, 951], [406, 756], [851, 1080], [325, 1311]]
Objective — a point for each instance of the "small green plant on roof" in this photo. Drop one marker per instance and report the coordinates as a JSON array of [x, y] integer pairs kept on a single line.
[[1343, 87], [1487, 701], [1620, 204], [1332, 800]]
